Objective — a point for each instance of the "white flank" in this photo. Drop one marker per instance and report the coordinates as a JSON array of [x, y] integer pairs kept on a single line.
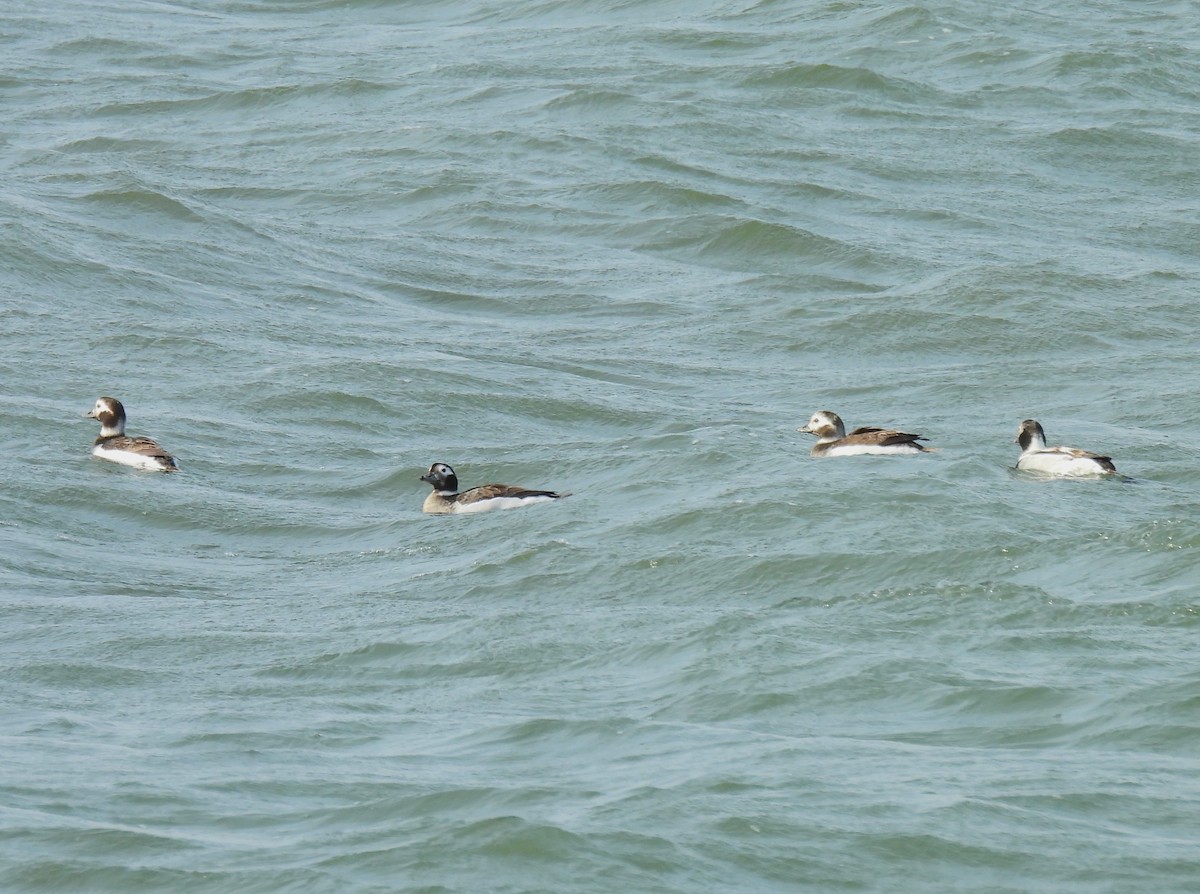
[[1060, 462], [870, 450], [128, 458], [498, 503]]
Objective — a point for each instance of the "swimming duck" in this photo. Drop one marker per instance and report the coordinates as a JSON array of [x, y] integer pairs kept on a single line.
[[1064, 461], [445, 497], [113, 444], [832, 439]]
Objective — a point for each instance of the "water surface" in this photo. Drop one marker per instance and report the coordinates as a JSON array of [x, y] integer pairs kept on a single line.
[[623, 250]]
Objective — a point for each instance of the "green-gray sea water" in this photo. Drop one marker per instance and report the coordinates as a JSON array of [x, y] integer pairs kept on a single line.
[[621, 249]]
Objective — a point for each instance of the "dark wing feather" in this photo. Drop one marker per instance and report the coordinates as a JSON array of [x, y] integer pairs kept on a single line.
[[139, 445], [1105, 462], [491, 491], [885, 437]]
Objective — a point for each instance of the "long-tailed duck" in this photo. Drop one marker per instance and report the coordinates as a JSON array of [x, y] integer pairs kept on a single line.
[[1065, 461], [445, 497], [832, 439], [113, 444]]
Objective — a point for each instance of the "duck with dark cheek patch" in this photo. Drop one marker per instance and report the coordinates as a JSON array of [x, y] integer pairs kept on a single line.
[[1066, 462], [832, 439], [446, 498], [116, 446]]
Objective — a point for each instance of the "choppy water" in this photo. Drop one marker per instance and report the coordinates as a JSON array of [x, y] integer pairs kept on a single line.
[[624, 250]]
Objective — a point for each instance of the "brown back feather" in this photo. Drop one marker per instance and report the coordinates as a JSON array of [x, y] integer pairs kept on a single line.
[[140, 445], [491, 491], [885, 437]]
